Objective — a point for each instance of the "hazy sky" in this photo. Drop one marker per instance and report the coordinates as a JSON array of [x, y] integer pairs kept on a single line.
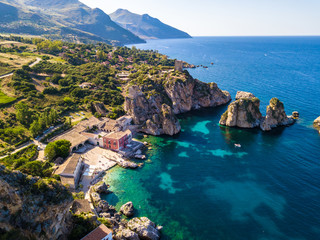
[[227, 17]]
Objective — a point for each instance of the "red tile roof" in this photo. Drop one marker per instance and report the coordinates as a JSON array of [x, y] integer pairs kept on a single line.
[[99, 233]]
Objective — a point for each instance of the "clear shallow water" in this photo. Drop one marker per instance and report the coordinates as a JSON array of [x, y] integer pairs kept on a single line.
[[199, 186]]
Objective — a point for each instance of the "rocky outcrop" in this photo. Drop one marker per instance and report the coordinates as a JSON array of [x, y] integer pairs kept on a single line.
[[154, 105], [194, 94], [242, 94], [126, 234], [276, 116], [102, 187], [316, 123], [127, 209], [145, 229], [38, 208], [243, 113], [99, 108], [152, 112]]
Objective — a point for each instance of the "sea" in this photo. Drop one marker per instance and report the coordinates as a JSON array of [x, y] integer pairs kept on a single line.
[[198, 185]]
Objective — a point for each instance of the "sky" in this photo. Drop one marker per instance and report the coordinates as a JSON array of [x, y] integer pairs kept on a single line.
[[227, 17]]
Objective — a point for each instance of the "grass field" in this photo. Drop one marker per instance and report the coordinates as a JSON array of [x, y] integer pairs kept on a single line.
[[4, 99]]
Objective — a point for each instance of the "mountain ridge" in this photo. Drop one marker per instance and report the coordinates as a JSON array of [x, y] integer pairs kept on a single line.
[[67, 19], [145, 26]]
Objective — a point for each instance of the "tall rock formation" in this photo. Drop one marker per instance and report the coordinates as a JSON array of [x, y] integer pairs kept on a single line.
[[243, 113], [153, 105], [276, 116], [37, 207], [153, 113]]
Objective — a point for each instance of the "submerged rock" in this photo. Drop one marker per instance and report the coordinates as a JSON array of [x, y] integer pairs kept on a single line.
[[127, 209], [276, 116], [144, 228], [243, 113]]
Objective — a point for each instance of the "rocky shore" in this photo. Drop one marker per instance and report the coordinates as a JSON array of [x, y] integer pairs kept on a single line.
[[154, 107], [134, 229], [245, 113]]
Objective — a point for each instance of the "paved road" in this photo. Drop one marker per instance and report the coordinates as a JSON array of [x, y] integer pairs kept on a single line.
[[31, 65], [36, 142]]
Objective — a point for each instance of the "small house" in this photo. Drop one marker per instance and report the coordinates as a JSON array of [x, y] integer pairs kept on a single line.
[[100, 233]]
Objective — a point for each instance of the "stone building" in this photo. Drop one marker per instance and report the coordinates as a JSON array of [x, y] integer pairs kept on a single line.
[[178, 65]]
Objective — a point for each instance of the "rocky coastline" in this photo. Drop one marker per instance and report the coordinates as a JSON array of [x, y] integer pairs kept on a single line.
[[244, 112], [154, 107], [123, 229]]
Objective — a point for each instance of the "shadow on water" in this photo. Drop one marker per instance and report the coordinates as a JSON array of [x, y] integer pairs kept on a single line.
[[111, 198]]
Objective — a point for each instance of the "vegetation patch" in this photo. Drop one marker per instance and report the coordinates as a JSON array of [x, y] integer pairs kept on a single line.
[[4, 99]]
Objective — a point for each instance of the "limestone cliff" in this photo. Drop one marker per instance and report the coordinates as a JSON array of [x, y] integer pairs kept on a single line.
[[243, 113], [276, 116], [152, 112], [38, 208], [189, 94], [153, 104]]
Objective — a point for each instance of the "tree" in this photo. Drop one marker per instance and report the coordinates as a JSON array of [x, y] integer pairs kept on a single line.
[[24, 115], [59, 148], [35, 128]]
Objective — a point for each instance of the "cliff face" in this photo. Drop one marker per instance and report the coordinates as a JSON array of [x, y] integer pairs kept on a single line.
[[194, 94], [276, 116], [154, 115], [243, 113], [154, 106], [37, 207]]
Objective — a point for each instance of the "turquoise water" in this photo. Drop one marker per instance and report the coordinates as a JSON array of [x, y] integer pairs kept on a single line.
[[199, 186]]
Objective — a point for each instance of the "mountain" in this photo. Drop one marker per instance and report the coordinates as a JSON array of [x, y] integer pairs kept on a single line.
[[67, 19], [146, 27]]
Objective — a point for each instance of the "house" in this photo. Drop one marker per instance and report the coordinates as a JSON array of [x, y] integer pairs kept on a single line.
[[74, 136], [117, 140], [109, 125], [100, 233], [99, 132], [70, 171]]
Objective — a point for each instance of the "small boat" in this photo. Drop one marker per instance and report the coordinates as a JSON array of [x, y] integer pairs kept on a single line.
[[237, 145]]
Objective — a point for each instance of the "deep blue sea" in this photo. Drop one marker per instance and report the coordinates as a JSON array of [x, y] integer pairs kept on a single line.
[[198, 185]]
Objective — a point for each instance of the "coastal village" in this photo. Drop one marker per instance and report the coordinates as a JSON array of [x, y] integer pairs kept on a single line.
[[96, 146]]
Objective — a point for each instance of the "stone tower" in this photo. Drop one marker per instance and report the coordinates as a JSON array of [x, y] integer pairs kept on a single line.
[[178, 65]]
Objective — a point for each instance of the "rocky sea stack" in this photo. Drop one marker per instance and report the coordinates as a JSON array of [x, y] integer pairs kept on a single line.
[[276, 116], [245, 113], [153, 104]]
